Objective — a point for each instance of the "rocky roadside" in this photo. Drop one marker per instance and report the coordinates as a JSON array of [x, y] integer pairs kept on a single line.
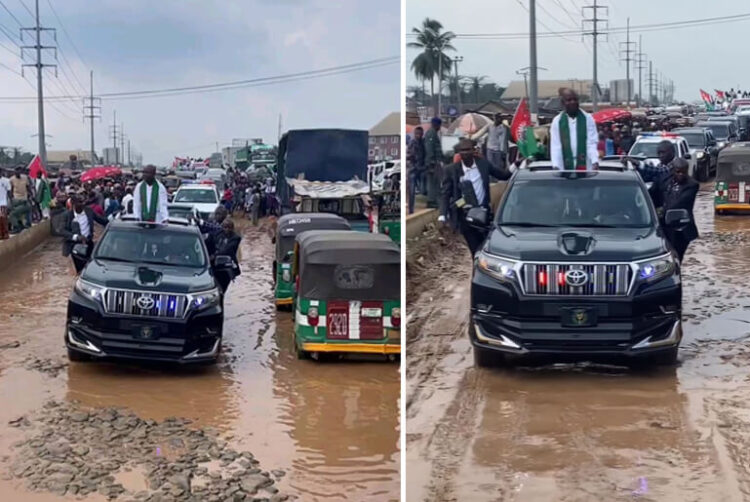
[[74, 451]]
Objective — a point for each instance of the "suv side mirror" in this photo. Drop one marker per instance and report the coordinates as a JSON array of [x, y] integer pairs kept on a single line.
[[80, 250], [686, 156], [477, 217], [676, 218]]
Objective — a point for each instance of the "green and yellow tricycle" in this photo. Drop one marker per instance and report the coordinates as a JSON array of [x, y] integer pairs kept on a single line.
[[347, 294], [289, 226]]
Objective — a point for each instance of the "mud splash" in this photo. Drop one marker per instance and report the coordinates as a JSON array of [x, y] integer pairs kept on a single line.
[[332, 427], [588, 432]]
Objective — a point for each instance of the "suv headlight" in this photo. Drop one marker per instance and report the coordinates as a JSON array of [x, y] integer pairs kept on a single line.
[[656, 268], [501, 269], [204, 299], [89, 290], [700, 155]]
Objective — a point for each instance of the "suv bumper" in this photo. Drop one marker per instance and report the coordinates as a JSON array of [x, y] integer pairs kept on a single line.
[[643, 324], [195, 339]]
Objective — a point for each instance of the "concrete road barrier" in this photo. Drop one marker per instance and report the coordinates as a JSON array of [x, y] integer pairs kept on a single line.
[[419, 219], [13, 250]]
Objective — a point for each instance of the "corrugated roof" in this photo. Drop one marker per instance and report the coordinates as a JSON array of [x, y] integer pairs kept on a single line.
[[389, 126], [546, 88], [55, 156]]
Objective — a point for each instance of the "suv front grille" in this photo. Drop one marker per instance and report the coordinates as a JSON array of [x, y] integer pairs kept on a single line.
[[602, 279], [123, 301]]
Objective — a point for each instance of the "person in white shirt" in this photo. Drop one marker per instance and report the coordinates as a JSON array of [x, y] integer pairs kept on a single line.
[[127, 201], [573, 136], [5, 189], [79, 229], [150, 198]]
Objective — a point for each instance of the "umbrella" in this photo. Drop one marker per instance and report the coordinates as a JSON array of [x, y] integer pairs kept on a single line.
[[99, 172], [611, 115], [468, 124]]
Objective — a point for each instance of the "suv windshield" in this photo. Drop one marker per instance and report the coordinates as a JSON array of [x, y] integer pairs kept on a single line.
[[694, 139], [648, 149], [720, 129], [157, 246], [580, 203], [207, 195]]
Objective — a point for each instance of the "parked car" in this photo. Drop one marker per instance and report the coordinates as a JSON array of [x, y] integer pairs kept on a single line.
[[703, 145]]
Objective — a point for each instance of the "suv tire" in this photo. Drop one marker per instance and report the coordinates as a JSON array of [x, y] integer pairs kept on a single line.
[[78, 357]]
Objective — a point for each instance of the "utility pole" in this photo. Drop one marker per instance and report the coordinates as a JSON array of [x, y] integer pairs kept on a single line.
[[640, 59], [595, 34], [440, 82], [90, 112], [457, 60], [39, 65], [115, 134], [279, 137], [628, 51], [122, 141], [533, 105], [651, 82], [128, 153]]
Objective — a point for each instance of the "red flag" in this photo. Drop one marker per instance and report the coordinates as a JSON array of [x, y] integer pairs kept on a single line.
[[719, 94], [521, 119], [35, 166], [706, 97]]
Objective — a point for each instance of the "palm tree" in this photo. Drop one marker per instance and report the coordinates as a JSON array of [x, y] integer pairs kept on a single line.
[[433, 42], [476, 83]]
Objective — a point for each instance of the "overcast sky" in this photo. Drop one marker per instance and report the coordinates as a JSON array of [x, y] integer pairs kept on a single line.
[[705, 57], [137, 44]]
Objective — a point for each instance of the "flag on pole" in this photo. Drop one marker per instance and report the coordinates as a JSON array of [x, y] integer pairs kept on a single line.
[[706, 97], [719, 94], [522, 130], [35, 166]]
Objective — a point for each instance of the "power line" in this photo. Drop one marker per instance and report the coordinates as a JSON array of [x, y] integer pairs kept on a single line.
[[570, 16], [27, 8], [65, 32], [290, 77], [557, 34], [10, 12], [541, 6], [621, 29]]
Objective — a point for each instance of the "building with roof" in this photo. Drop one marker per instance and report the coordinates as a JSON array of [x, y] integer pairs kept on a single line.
[[384, 142], [60, 157], [547, 88]]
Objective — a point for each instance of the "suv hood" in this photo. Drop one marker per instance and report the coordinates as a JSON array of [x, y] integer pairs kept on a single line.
[[148, 277], [576, 243], [202, 207]]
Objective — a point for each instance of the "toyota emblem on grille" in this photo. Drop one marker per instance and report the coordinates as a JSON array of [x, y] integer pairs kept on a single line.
[[145, 302], [576, 277]]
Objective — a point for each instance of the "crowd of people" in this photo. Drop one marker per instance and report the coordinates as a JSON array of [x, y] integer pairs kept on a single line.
[[575, 142], [256, 199]]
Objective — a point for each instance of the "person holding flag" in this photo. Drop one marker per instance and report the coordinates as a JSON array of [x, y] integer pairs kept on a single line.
[[573, 136], [150, 198], [706, 97], [43, 194]]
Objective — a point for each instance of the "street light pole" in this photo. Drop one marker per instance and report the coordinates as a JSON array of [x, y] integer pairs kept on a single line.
[[457, 60], [533, 106]]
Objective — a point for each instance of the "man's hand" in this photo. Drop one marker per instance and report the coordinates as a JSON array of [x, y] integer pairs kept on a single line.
[[82, 239], [441, 218]]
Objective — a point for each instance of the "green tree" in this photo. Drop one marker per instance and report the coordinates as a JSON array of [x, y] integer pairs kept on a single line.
[[433, 42], [476, 84]]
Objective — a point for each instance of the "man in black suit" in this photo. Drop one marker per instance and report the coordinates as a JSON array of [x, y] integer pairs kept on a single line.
[[227, 244], [468, 176], [79, 229], [677, 190]]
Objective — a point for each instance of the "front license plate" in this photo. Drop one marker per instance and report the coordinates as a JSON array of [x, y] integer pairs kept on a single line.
[[146, 333], [579, 317], [372, 312]]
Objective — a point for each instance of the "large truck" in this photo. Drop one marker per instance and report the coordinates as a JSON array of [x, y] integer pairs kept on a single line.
[[325, 170]]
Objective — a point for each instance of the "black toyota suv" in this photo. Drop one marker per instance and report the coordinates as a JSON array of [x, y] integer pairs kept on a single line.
[[576, 266], [149, 292]]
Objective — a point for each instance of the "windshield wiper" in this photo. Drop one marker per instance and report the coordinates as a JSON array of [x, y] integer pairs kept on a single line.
[[525, 224], [113, 258], [154, 262], [592, 225]]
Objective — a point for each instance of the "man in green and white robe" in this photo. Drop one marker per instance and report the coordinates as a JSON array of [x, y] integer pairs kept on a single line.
[[43, 194], [150, 198], [573, 137]]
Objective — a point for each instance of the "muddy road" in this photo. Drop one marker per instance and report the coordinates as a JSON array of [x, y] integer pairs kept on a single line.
[[582, 432], [318, 431]]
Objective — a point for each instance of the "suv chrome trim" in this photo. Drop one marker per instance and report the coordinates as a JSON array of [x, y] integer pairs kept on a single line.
[[625, 274], [125, 302]]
